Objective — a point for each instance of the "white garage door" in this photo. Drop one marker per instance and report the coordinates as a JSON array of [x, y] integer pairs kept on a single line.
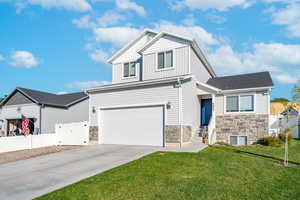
[[132, 126]]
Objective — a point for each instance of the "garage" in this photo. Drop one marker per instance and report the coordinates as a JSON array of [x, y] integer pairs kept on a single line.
[[134, 125]]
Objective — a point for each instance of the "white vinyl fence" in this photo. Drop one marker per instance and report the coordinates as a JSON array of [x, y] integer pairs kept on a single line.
[[73, 133], [16, 143], [66, 134]]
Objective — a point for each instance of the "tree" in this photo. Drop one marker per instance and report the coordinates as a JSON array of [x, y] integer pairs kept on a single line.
[[280, 100], [296, 92]]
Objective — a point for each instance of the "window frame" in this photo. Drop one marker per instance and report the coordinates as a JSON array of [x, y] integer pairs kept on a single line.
[[239, 104], [165, 68], [123, 67], [238, 143]]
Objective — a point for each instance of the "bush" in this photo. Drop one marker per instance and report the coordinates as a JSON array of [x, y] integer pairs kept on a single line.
[[273, 141], [283, 135]]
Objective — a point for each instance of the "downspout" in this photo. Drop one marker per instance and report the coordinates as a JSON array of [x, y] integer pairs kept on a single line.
[[41, 106], [180, 110]]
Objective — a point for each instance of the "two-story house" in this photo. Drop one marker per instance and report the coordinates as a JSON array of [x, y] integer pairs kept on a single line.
[[165, 91]]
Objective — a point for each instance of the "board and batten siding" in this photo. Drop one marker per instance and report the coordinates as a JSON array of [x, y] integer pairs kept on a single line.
[[52, 116], [28, 110], [180, 61], [134, 96], [261, 103], [198, 69], [117, 75]]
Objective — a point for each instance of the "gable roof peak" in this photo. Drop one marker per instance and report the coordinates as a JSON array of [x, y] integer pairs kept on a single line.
[[130, 44]]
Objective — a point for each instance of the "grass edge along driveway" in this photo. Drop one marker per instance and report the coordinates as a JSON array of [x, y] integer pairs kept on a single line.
[[215, 173]]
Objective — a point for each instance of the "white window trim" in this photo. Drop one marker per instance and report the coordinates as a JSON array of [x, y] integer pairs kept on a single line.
[[240, 112], [237, 139], [168, 68], [129, 77]]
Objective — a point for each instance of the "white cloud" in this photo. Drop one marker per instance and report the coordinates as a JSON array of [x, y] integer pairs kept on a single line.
[[217, 19], [99, 56], [117, 36], [110, 18], [220, 5], [86, 84], [23, 59], [75, 5], [61, 93], [83, 22], [130, 5], [274, 57], [1, 58], [290, 17], [203, 37], [190, 20], [285, 78]]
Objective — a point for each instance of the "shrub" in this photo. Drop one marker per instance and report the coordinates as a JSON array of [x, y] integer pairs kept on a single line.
[[273, 141], [283, 135]]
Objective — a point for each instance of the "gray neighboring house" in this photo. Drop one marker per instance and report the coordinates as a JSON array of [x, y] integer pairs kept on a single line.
[[165, 92], [44, 110]]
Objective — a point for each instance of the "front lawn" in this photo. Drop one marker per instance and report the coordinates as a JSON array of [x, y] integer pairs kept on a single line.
[[214, 173]]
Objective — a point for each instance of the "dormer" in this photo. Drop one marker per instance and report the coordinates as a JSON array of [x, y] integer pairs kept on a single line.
[[159, 55], [127, 62]]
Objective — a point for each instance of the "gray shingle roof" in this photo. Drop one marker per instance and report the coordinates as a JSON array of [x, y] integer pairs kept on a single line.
[[64, 100], [243, 81]]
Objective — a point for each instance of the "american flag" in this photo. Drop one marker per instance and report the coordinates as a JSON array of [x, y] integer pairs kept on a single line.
[[25, 126]]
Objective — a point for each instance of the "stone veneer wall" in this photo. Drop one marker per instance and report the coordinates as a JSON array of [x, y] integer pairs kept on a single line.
[[255, 126], [93, 133], [173, 133]]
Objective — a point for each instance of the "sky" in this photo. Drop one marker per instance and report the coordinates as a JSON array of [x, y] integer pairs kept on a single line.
[[62, 46]]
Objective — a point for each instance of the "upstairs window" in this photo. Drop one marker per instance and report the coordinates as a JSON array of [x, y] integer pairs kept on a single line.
[[240, 103], [129, 70], [165, 60]]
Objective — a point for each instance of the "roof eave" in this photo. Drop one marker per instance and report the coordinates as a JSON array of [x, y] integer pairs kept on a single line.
[[116, 55], [136, 84], [247, 89]]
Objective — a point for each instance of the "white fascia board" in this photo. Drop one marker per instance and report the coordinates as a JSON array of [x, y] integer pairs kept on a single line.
[[160, 35], [246, 90], [111, 59], [209, 87], [134, 105], [135, 84], [203, 58]]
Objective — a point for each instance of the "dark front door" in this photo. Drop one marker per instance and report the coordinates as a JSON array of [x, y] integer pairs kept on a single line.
[[206, 110]]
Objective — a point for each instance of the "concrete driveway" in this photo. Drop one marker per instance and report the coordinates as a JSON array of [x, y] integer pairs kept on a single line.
[[27, 179]]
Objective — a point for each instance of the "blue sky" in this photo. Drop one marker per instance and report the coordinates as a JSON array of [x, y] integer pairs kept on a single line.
[[62, 46]]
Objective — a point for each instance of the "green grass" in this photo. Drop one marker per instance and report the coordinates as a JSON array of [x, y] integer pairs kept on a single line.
[[214, 173]]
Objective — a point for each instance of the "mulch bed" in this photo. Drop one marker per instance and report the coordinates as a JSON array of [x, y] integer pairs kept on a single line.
[[30, 153]]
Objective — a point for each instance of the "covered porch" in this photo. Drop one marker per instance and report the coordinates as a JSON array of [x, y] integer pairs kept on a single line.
[[207, 100]]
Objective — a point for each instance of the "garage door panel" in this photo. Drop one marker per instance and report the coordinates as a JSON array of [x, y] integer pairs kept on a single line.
[[132, 126]]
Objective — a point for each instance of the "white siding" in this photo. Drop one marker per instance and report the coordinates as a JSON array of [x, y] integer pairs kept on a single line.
[[131, 53], [165, 43], [261, 102], [128, 56], [181, 64], [142, 95], [191, 105], [118, 74], [76, 113], [28, 110], [198, 69]]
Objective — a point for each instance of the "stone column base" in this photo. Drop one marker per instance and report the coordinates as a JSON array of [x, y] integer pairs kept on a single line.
[[93, 133], [173, 134]]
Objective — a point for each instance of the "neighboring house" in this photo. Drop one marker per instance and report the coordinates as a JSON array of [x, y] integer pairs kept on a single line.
[[43, 110], [283, 117], [165, 91]]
